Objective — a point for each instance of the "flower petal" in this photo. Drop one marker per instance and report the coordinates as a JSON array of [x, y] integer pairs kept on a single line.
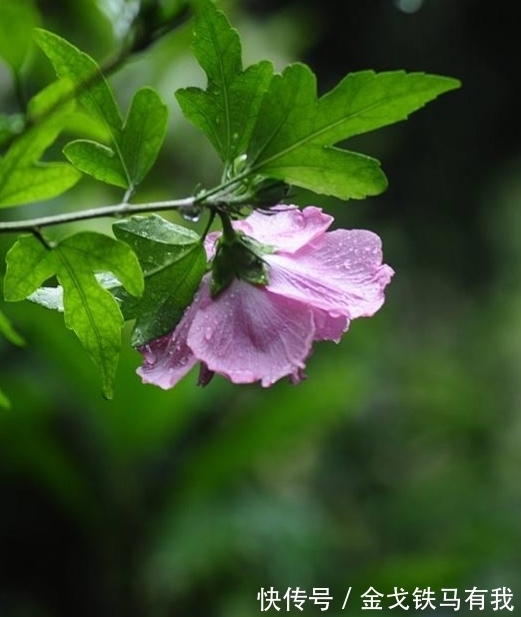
[[169, 358], [287, 228], [328, 327], [248, 334], [341, 273]]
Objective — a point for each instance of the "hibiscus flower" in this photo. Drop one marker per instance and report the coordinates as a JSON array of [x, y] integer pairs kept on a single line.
[[317, 282]]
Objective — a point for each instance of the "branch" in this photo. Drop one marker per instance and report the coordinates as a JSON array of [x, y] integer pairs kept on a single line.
[[122, 209], [215, 199]]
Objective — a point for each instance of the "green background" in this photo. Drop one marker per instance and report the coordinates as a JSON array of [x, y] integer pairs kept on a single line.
[[396, 464]]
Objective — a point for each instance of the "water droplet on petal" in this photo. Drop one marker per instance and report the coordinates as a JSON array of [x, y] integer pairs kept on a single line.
[[150, 355], [208, 333]]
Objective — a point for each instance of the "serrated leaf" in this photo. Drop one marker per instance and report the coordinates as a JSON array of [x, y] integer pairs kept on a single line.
[[17, 19], [134, 146], [95, 94], [294, 132], [285, 130], [227, 110], [143, 133], [173, 262], [22, 177], [91, 87], [90, 310]]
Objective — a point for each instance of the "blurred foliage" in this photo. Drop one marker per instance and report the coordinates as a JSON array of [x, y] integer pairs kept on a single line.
[[395, 464]]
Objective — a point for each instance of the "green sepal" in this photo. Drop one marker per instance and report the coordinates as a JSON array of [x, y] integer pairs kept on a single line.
[[237, 256]]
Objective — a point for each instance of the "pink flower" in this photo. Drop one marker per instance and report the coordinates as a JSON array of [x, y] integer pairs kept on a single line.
[[318, 281]]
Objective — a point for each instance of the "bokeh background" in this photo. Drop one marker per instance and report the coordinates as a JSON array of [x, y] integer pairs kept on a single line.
[[396, 464]]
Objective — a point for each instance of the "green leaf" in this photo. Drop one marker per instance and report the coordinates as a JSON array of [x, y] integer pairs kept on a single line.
[[294, 132], [17, 19], [227, 110], [133, 147], [13, 337], [278, 121], [97, 160], [332, 171], [23, 178], [10, 126], [33, 183], [143, 133], [4, 401], [9, 332], [141, 139], [173, 260], [90, 310], [91, 88]]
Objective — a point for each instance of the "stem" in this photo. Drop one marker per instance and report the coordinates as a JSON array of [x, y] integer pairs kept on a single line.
[[39, 236], [121, 209], [229, 233], [126, 209], [208, 225]]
